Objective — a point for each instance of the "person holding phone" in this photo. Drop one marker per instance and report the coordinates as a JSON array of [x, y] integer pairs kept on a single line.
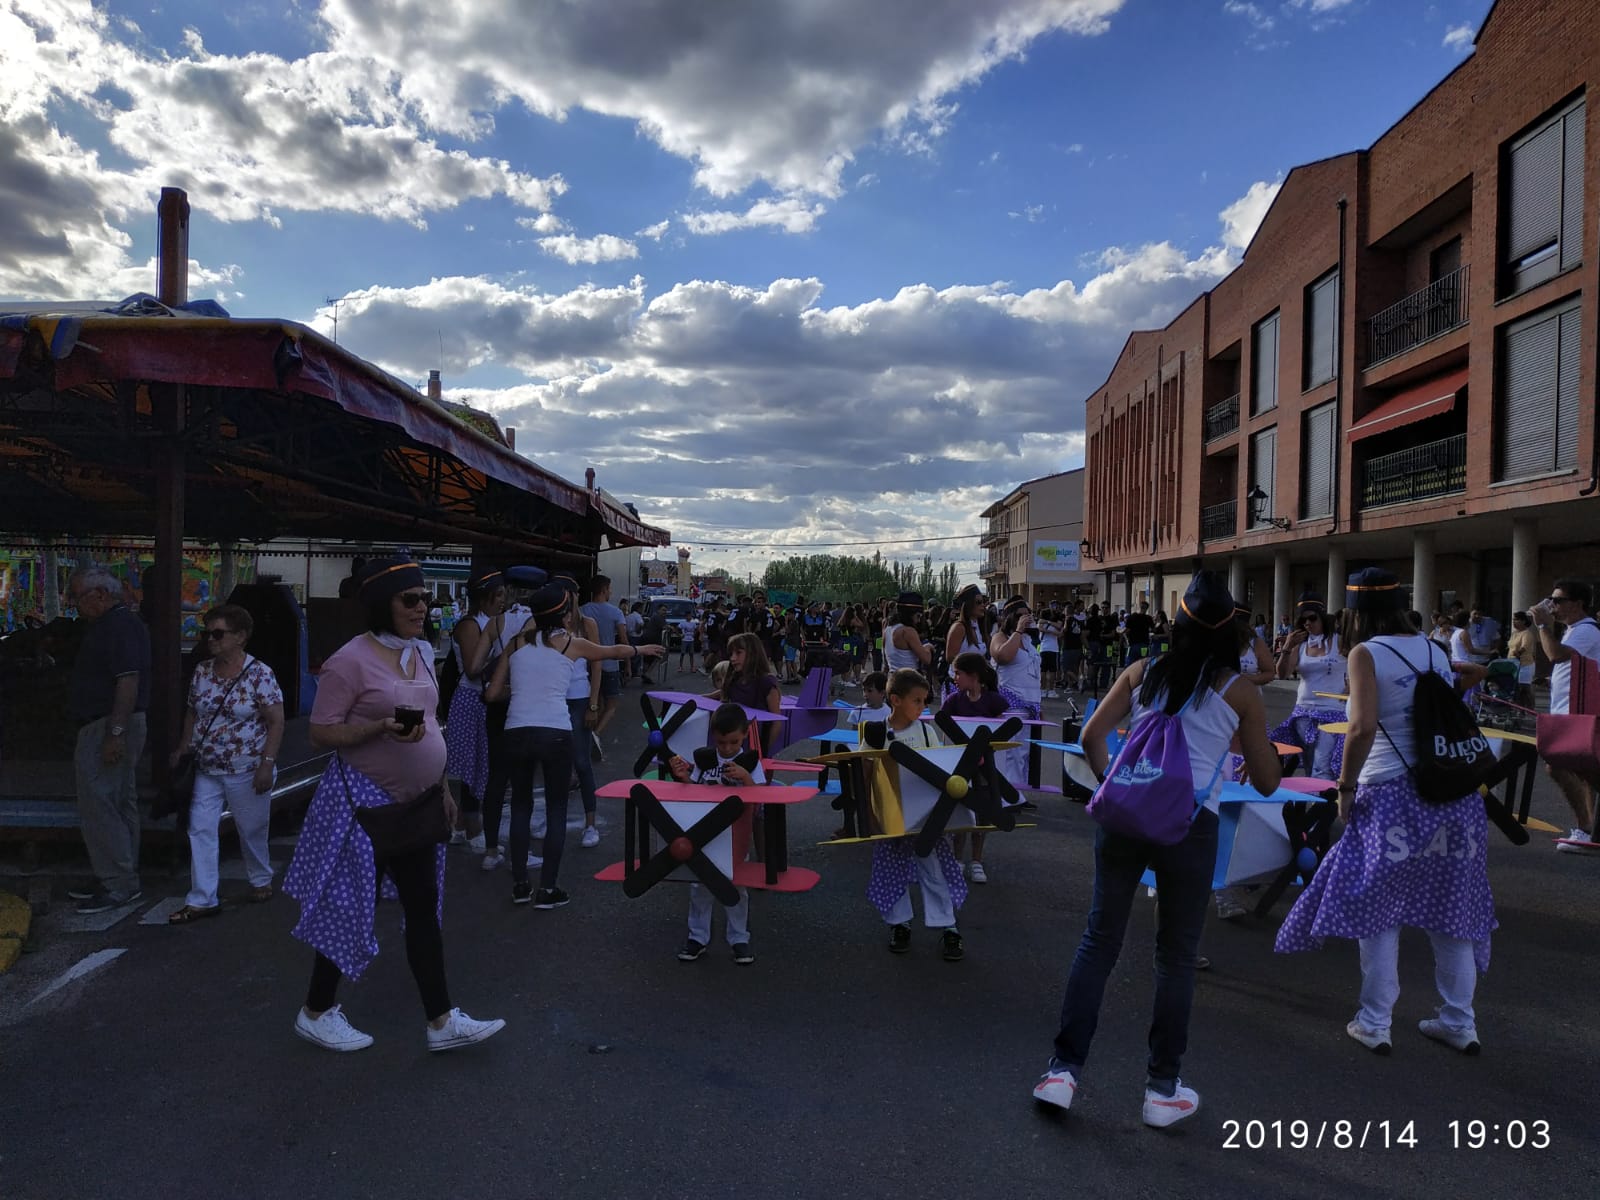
[[1569, 603], [1314, 654]]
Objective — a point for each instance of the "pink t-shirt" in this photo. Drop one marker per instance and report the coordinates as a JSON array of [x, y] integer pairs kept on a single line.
[[357, 686]]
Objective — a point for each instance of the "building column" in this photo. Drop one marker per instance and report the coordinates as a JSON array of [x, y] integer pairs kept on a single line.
[[1475, 580], [1282, 599], [1525, 589], [1424, 589], [1236, 577], [1337, 575], [1158, 588]]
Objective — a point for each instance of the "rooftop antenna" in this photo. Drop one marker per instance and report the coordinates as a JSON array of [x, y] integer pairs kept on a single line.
[[335, 302]]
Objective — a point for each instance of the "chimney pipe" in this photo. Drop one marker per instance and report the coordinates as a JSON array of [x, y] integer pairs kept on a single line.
[[511, 436], [172, 241], [435, 389]]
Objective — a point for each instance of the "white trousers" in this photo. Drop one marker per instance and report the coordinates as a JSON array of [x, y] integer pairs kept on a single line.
[[937, 910], [1455, 974], [701, 904], [252, 815]]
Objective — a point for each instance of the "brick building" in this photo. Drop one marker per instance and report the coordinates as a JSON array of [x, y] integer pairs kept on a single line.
[[1402, 370], [1030, 542]]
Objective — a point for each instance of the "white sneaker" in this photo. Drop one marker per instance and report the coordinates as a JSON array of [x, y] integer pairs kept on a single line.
[[1161, 1111], [1577, 842], [458, 837], [1375, 1040], [1464, 1040], [492, 859], [976, 873], [1229, 905], [1056, 1086], [591, 837], [462, 1030], [476, 844], [331, 1031], [535, 861]]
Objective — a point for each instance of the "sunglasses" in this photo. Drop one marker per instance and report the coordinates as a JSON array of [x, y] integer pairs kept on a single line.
[[216, 635], [413, 599]]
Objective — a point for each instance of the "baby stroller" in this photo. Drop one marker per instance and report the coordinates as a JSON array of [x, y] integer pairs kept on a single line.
[[1496, 704]]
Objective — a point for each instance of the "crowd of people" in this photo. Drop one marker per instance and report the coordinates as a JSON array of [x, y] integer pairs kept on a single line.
[[532, 674]]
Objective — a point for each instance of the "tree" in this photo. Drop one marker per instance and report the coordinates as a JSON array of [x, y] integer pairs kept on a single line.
[[834, 577]]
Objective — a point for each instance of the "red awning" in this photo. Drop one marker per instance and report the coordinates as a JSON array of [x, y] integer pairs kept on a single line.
[[1436, 396]]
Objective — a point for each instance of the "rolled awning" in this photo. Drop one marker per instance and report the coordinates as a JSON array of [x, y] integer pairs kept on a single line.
[[1418, 403]]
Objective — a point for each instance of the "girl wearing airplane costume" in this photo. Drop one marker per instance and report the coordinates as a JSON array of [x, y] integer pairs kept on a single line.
[[976, 695], [725, 761], [895, 866]]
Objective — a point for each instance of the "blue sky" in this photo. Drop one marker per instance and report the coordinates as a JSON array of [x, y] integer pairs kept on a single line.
[[802, 271]]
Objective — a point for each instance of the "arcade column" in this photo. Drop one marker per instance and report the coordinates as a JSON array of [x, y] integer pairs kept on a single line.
[[1424, 588], [1337, 576], [1282, 600], [1524, 563], [1236, 577]]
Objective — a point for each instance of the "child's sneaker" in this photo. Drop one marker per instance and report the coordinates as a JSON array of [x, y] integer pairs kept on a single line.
[[475, 844], [976, 873], [461, 1030], [492, 859], [1161, 1111], [1375, 1040], [952, 946], [743, 955], [591, 837], [551, 898], [1056, 1086], [899, 939], [1464, 1040], [691, 951]]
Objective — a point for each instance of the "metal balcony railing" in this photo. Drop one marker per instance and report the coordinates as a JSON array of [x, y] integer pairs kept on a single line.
[[1219, 520], [1222, 419], [1420, 317], [1418, 473]]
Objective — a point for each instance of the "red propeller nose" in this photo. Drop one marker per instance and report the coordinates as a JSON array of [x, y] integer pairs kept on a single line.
[[681, 848]]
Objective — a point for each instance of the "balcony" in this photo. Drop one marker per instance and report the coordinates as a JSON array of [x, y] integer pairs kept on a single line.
[[1222, 419], [1420, 317], [991, 569], [1418, 473], [1220, 520], [993, 535]]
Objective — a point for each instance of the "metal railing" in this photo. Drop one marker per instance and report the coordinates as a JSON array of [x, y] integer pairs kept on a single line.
[[1420, 317], [1222, 419], [1418, 473], [1219, 520]]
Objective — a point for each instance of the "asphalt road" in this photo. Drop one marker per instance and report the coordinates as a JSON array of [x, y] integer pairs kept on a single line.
[[829, 1068]]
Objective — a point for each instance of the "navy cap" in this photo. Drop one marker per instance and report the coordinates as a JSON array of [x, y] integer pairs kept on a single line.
[[528, 577], [909, 600], [551, 598], [1309, 603], [1207, 602], [383, 578], [1372, 590]]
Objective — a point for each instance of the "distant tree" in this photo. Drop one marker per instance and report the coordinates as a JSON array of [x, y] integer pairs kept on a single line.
[[834, 577]]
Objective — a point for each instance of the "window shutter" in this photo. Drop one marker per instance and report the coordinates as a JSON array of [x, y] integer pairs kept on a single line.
[[1316, 491], [1320, 325], [1528, 412], [1263, 472], [1264, 367], [1535, 220], [1572, 189], [1567, 360]]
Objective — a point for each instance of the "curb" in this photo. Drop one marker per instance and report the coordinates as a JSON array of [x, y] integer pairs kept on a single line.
[[16, 917]]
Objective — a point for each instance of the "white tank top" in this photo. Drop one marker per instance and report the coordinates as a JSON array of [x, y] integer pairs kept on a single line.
[[578, 689], [1396, 683], [1021, 674], [1247, 660], [896, 657], [1208, 727], [973, 641], [1322, 673], [540, 676], [476, 685]]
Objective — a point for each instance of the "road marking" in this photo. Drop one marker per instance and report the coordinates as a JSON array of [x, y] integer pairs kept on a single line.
[[81, 968]]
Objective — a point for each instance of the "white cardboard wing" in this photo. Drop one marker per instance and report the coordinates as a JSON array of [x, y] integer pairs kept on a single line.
[[917, 797], [694, 733], [719, 849], [1260, 844]]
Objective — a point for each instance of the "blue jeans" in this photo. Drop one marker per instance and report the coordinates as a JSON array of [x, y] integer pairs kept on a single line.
[[1183, 894], [581, 762], [528, 748]]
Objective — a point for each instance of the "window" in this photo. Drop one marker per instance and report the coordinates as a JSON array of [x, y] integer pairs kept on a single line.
[[1264, 475], [1264, 366], [1317, 448], [1322, 323], [1543, 203], [1539, 394]]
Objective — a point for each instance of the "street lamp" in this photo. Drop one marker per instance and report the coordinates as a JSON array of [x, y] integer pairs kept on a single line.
[[1086, 551], [1256, 498]]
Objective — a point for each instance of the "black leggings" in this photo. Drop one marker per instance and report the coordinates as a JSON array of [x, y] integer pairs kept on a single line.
[[530, 748], [415, 879]]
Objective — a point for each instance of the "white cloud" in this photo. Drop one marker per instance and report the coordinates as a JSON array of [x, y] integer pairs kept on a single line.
[[604, 247], [654, 232], [783, 93], [543, 223], [1242, 218], [1320, 6], [790, 214], [1032, 213], [737, 412], [1258, 17], [1460, 38]]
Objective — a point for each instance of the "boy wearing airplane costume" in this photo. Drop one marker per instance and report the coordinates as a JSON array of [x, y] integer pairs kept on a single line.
[[895, 866], [728, 760]]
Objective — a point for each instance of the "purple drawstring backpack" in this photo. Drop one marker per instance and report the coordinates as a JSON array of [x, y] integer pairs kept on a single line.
[[1148, 792]]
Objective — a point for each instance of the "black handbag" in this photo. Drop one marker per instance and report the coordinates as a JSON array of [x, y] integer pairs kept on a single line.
[[405, 827]]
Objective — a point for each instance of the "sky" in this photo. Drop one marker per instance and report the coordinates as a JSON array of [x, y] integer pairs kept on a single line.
[[789, 274]]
